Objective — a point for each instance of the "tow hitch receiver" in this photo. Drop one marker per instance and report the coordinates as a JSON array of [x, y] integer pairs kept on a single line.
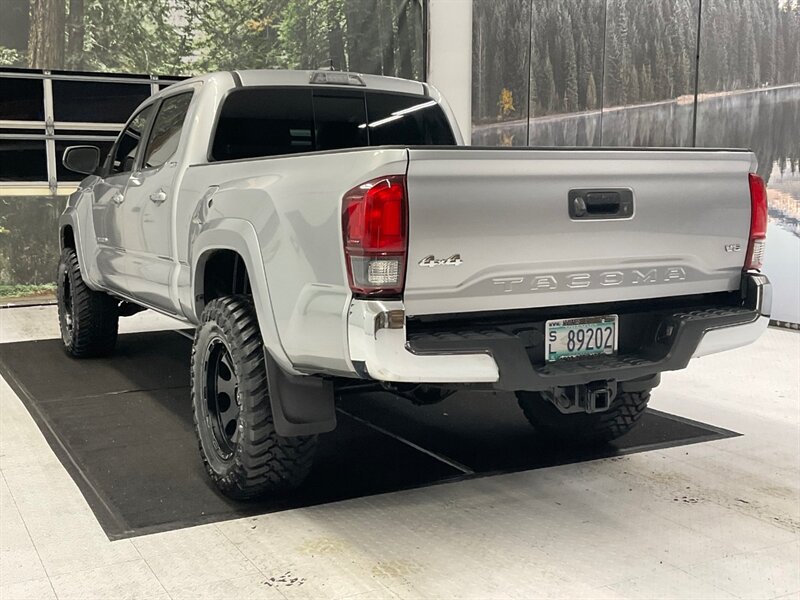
[[593, 397]]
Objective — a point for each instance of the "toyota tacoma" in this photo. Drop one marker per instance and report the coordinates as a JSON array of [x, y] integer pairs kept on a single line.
[[322, 229]]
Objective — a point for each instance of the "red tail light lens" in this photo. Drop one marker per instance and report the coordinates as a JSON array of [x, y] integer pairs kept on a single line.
[[758, 223], [374, 226]]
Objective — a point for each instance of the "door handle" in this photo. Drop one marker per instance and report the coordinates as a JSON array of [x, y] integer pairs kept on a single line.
[[118, 198], [158, 197]]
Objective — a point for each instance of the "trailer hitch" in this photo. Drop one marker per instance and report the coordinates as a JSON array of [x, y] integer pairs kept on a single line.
[[593, 397]]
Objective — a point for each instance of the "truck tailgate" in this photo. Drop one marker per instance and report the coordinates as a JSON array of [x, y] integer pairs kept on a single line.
[[537, 228]]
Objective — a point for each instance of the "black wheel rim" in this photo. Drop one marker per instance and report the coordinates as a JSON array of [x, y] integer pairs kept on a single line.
[[69, 323], [222, 401]]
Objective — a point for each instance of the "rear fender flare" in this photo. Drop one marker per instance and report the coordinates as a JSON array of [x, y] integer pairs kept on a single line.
[[239, 236]]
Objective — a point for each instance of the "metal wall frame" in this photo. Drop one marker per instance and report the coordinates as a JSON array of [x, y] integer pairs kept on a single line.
[[50, 125]]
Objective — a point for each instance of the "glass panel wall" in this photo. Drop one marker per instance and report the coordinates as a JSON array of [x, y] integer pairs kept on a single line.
[[96, 101], [23, 160], [43, 113], [40, 116], [21, 99]]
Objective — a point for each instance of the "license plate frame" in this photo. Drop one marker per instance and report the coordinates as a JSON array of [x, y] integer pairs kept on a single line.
[[557, 339]]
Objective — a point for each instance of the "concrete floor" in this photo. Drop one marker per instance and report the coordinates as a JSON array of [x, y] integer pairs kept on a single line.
[[715, 520]]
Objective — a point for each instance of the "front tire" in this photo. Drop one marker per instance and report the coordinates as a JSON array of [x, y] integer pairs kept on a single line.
[[88, 319], [583, 428], [241, 450]]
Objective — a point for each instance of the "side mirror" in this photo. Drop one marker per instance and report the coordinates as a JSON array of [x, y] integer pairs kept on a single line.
[[82, 159]]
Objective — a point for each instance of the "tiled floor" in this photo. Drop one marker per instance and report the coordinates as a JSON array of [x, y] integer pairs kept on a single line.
[[716, 520]]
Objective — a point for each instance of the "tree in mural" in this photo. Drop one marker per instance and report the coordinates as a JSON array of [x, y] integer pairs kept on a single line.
[[235, 32], [46, 34], [128, 36], [75, 34]]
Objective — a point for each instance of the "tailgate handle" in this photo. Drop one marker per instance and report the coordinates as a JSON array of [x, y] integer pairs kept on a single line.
[[600, 204]]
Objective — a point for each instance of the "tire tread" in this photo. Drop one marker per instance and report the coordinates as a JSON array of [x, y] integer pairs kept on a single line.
[[625, 412], [265, 462], [95, 314]]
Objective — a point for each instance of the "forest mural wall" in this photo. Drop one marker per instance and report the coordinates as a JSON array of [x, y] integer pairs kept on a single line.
[[156, 37], [567, 56], [185, 37], [720, 73]]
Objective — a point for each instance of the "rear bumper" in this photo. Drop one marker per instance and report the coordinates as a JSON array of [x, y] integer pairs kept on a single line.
[[757, 297], [379, 350], [507, 357]]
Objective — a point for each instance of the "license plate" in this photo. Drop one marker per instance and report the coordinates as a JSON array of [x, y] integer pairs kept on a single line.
[[583, 336]]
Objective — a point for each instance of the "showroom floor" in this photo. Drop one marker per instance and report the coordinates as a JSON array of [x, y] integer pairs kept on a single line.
[[719, 519]]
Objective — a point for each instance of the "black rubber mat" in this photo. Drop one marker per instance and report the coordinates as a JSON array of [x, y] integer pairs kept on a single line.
[[122, 427]]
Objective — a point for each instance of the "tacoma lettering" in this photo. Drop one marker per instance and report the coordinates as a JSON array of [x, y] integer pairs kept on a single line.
[[537, 283]]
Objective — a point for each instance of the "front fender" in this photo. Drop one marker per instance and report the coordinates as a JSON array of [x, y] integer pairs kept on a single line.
[[240, 236], [80, 220]]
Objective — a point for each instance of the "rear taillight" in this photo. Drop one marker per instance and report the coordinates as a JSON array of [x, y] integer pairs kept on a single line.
[[758, 223], [375, 225]]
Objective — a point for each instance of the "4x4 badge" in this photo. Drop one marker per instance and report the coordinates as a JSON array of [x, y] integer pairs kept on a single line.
[[431, 261]]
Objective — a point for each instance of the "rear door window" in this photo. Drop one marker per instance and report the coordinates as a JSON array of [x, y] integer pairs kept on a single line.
[[258, 122]]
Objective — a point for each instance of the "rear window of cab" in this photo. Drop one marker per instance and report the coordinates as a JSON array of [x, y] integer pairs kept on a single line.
[[261, 122]]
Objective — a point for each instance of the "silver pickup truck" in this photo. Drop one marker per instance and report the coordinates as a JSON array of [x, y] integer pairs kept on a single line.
[[326, 230]]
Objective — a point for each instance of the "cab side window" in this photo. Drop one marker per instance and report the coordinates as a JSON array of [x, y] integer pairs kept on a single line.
[[166, 131], [129, 142]]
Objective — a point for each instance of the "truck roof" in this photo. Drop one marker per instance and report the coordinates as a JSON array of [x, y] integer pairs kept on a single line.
[[285, 77]]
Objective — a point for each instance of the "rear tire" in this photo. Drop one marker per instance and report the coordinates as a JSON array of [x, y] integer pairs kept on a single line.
[[583, 428], [242, 453], [88, 319]]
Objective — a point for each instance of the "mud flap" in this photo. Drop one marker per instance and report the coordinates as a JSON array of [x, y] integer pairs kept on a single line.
[[301, 405]]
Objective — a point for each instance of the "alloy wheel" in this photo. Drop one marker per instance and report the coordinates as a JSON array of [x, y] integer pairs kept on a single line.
[[222, 402]]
